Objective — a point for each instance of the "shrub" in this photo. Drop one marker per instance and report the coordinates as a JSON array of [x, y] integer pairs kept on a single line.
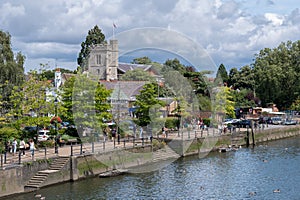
[[171, 123], [47, 143], [206, 121]]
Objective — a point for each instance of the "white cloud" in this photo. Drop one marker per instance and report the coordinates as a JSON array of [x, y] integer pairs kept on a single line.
[[275, 19], [230, 30]]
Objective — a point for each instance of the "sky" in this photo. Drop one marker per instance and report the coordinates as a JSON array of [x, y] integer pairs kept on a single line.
[[229, 31]]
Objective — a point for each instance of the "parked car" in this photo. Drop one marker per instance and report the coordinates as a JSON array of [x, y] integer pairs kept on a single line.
[[242, 123], [290, 122], [277, 120], [265, 120], [43, 135]]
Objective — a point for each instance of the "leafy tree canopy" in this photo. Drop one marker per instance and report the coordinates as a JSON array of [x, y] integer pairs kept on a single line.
[[143, 60], [277, 74], [95, 36], [144, 101], [137, 75], [222, 75], [11, 70]]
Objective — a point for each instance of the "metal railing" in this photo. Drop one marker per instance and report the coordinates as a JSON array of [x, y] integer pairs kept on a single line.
[[10, 160]]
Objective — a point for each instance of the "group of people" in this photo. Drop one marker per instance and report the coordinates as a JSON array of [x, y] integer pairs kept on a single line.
[[12, 147]]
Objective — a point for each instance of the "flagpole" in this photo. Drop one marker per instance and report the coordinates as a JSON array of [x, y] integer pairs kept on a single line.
[[113, 31]]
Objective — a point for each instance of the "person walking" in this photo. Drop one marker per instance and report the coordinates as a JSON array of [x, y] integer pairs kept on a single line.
[[14, 146], [141, 132], [22, 147], [31, 147]]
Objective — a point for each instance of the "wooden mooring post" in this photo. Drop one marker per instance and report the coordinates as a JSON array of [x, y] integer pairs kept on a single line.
[[252, 133]]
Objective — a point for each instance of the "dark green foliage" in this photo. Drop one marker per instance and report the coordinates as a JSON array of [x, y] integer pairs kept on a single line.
[[144, 101], [95, 36], [137, 75], [143, 60], [206, 121], [277, 74], [11, 70], [171, 123], [222, 75]]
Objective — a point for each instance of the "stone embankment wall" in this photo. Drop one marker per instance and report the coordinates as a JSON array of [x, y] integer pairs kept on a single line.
[[13, 179], [203, 145]]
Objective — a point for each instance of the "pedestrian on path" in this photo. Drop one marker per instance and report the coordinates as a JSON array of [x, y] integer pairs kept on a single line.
[[31, 147], [14, 145], [141, 132], [22, 147]]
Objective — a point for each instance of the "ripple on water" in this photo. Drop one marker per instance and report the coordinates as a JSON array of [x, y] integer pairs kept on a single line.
[[231, 175]]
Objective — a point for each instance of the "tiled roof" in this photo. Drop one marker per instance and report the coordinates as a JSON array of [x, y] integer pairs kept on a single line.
[[124, 67]]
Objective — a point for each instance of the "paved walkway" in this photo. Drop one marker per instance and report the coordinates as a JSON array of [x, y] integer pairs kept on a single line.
[[101, 146]]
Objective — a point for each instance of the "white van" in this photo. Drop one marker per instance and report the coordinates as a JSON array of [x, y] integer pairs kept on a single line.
[[43, 135]]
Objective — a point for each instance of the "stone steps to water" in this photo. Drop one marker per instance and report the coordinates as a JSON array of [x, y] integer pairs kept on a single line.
[[164, 154], [58, 163], [36, 181]]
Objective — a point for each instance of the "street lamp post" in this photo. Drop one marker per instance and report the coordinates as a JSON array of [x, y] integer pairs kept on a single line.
[[179, 118], [55, 104]]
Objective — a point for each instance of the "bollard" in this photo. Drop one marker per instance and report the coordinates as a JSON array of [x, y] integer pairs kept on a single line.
[[93, 147], [45, 152], [4, 157], [1, 160], [103, 144], [19, 157], [71, 149], [80, 148], [56, 149], [32, 154], [189, 134]]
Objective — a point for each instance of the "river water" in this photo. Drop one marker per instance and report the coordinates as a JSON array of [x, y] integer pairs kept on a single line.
[[243, 174]]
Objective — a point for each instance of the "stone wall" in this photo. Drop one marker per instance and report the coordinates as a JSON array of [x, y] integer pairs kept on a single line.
[[13, 179]]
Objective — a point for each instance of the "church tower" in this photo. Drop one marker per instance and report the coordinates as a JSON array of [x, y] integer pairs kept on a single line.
[[103, 61]]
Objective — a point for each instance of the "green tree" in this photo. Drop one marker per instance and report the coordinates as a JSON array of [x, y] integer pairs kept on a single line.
[[223, 102], [296, 105], [175, 65], [277, 74], [243, 98], [30, 98], [144, 101], [66, 95], [243, 79], [102, 105], [11, 71], [95, 36], [89, 103], [143, 60], [137, 75], [222, 75], [233, 78]]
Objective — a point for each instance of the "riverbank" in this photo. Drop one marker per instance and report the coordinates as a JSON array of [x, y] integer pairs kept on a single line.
[[13, 180]]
